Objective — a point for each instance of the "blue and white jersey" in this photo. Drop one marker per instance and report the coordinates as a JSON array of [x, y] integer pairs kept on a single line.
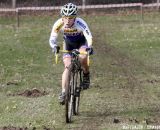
[[78, 31]]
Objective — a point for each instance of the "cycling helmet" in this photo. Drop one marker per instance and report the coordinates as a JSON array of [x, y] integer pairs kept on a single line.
[[69, 10]]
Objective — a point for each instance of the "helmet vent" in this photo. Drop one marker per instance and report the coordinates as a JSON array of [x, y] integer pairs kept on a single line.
[[69, 10]]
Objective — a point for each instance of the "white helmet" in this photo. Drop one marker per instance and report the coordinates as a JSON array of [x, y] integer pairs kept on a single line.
[[69, 10]]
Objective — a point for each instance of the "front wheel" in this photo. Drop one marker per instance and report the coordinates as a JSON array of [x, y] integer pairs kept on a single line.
[[77, 89], [69, 100], [76, 105]]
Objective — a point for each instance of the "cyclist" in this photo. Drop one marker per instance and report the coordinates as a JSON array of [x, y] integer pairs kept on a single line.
[[76, 35]]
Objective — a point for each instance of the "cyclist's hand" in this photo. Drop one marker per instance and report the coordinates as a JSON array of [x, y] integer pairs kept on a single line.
[[90, 50], [56, 49]]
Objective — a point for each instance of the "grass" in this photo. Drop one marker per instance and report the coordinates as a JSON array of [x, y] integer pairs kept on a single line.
[[125, 74]]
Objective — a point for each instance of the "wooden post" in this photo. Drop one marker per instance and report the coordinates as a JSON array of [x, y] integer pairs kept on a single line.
[[83, 5], [158, 2], [17, 13], [141, 7], [13, 3]]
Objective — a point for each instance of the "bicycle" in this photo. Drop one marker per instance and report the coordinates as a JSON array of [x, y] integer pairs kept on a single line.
[[72, 97]]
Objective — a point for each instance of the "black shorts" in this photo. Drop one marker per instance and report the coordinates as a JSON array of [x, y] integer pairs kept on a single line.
[[76, 44]]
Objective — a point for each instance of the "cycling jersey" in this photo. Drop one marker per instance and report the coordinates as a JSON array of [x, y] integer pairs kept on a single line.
[[75, 36]]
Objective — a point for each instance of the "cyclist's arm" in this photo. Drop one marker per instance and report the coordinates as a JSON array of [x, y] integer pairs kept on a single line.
[[54, 33], [86, 31]]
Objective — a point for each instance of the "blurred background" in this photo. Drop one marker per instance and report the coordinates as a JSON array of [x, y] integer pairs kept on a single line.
[[16, 8], [22, 3]]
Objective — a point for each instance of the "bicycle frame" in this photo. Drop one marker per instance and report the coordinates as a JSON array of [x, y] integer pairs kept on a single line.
[[73, 93], [73, 89]]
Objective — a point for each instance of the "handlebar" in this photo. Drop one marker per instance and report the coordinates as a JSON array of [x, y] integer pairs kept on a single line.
[[80, 52], [66, 51]]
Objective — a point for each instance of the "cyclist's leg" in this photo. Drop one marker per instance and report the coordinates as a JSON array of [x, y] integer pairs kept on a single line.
[[83, 59], [65, 77], [66, 72], [67, 62], [85, 67]]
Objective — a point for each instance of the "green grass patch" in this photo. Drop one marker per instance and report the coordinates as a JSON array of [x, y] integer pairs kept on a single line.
[[125, 73]]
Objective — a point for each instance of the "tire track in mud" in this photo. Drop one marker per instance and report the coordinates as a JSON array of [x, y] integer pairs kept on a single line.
[[134, 89], [139, 96], [90, 124], [127, 66], [134, 86], [93, 121], [88, 119]]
